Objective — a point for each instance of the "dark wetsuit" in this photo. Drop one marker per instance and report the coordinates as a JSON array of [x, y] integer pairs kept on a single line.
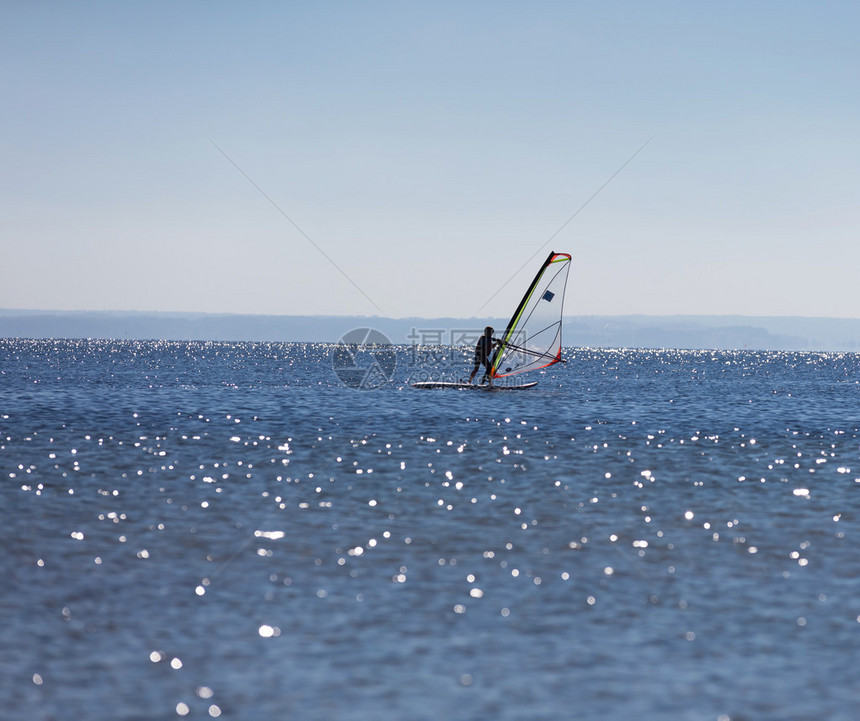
[[483, 351]]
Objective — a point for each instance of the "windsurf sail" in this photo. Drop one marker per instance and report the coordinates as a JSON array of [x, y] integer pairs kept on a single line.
[[532, 339]]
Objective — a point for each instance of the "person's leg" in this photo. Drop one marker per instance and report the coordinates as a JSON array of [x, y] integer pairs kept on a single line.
[[488, 376], [475, 369]]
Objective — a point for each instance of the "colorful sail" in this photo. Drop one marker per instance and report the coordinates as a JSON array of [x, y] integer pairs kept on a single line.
[[532, 339]]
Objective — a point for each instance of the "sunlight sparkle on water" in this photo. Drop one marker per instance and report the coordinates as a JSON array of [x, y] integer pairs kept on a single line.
[[267, 631], [538, 507]]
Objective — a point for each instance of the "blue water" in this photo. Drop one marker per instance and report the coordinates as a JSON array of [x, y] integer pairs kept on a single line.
[[225, 530]]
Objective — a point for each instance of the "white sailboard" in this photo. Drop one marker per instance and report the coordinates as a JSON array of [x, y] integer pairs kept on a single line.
[[472, 386]]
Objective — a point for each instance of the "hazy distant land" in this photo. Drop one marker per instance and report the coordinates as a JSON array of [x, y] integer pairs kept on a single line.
[[629, 331]]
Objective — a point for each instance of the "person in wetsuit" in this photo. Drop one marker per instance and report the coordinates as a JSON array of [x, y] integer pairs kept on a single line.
[[483, 349]]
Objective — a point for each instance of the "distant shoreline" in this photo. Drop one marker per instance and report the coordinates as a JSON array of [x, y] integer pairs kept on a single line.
[[621, 331]]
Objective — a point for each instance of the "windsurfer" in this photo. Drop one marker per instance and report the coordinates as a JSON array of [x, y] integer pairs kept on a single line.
[[483, 348]]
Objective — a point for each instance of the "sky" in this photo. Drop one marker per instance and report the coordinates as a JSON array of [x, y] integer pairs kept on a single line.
[[421, 159]]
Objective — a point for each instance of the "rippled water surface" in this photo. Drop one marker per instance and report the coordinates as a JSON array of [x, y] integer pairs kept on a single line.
[[225, 530]]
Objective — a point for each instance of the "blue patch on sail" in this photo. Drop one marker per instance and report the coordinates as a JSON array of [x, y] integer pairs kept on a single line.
[[548, 296]]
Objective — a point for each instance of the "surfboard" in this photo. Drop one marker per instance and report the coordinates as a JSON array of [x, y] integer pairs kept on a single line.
[[472, 386]]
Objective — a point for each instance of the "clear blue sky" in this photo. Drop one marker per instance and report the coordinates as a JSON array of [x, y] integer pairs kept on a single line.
[[430, 149]]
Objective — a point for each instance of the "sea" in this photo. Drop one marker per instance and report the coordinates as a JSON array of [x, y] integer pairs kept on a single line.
[[265, 531]]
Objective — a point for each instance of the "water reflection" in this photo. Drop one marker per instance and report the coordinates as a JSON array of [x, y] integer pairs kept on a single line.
[[210, 519]]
